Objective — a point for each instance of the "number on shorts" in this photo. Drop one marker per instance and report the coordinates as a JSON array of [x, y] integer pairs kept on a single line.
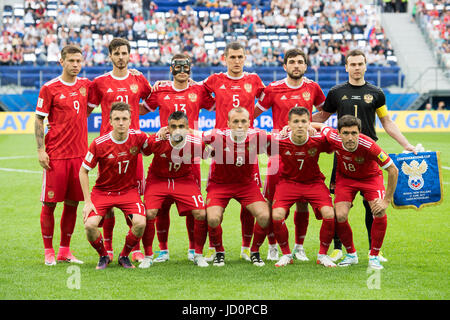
[[198, 199]]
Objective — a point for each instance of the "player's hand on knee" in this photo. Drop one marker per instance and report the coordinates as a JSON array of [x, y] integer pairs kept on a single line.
[[88, 208], [378, 206]]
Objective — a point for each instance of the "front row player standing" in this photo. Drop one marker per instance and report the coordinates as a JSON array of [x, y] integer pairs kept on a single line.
[[116, 154], [302, 181], [358, 158], [171, 177]]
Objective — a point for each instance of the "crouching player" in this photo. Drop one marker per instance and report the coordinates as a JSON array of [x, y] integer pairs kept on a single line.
[[301, 181], [171, 177], [235, 153], [358, 161], [116, 154]]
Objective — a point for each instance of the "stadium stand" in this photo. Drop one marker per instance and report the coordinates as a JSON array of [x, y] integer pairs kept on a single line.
[[434, 20], [33, 32]]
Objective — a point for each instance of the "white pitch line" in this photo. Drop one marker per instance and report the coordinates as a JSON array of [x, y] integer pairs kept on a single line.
[[16, 157], [19, 170], [446, 168]]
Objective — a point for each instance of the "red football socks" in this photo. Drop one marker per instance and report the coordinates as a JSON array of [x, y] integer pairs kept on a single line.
[[108, 229], [259, 235], [147, 238], [345, 233], [130, 242], [377, 233], [326, 235], [68, 221], [215, 236], [282, 235], [200, 233], [47, 225], [99, 246], [247, 226], [301, 221]]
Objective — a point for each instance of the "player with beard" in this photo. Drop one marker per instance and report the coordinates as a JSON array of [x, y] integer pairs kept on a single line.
[[120, 85], [295, 90]]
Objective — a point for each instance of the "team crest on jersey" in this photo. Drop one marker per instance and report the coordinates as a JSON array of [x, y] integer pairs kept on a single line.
[[248, 87], [134, 150], [83, 91], [306, 96], [134, 88], [192, 97], [51, 194], [359, 160], [312, 152], [368, 98]]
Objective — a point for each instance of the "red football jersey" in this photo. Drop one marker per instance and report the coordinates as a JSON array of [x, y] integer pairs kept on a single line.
[[65, 105], [117, 160], [300, 162], [107, 89], [189, 100], [234, 162], [282, 97], [231, 92], [362, 163], [173, 162]]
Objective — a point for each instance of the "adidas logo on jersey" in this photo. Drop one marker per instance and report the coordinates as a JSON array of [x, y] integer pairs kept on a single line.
[[163, 155], [109, 90], [283, 97], [288, 153], [62, 96], [223, 87], [111, 156], [166, 98]]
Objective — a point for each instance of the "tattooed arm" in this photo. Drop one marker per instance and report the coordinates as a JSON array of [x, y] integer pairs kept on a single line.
[[43, 158]]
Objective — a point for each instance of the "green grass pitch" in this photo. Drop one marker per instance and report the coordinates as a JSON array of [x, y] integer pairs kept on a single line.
[[416, 244]]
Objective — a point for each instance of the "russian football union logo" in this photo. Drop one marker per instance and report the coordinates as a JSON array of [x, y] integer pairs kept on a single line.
[[134, 88], [414, 171]]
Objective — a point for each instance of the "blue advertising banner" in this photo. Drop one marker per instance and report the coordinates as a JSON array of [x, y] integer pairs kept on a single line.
[[419, 180]]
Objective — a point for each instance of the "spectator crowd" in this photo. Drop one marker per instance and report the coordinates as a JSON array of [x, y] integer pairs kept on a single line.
[[434, 19], [324, 29]]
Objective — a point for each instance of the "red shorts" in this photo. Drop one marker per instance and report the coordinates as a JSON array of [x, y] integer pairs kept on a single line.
[[62, 181], [184, 191], [289, 192], [219, 194], [128, 201], [346, 188], [272, 178]]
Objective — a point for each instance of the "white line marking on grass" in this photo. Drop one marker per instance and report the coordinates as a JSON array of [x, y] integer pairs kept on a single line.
[[16, 157], [19, 170], [446, 168]]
